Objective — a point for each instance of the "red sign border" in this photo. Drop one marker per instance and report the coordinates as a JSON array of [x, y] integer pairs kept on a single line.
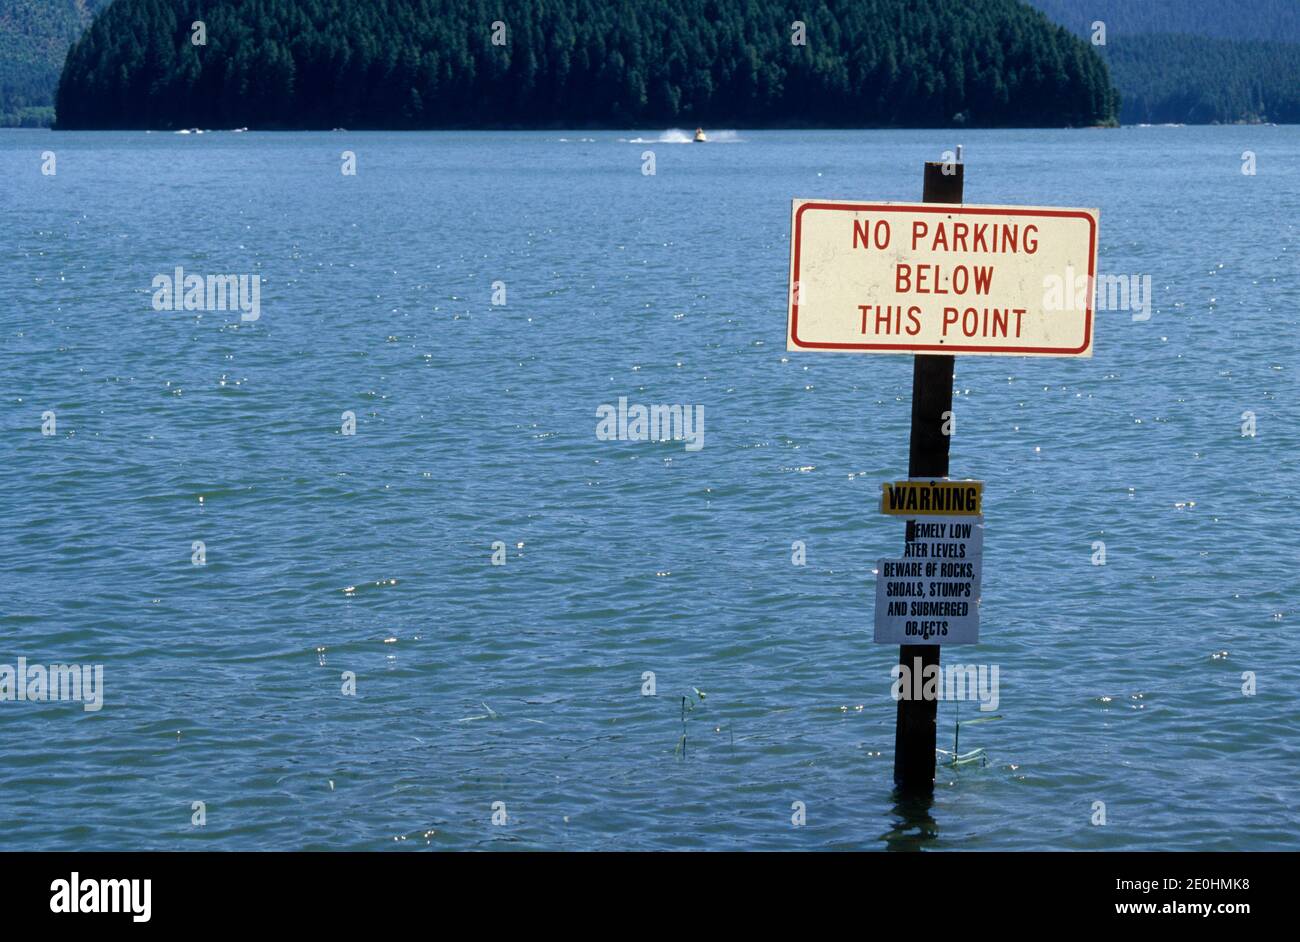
[[950, 208]]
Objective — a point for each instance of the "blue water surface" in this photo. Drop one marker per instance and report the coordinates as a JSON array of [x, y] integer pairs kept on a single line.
[[523, 684]]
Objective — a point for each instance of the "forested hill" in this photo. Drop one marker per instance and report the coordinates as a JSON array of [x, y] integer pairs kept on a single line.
[[1198, 80], [1277, 20], [34, 39], [1195, 61], [580, 63]]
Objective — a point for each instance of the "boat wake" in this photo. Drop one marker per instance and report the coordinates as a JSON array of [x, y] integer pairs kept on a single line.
[[678, 136]]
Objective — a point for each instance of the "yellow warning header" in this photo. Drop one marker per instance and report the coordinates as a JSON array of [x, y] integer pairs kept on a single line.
[[932, 498]]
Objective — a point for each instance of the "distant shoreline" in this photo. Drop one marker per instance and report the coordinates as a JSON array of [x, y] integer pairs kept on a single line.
[[608, 129]]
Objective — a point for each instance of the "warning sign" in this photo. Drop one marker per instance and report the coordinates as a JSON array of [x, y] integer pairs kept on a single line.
[[932, 594], [941, 278], [932, 497]]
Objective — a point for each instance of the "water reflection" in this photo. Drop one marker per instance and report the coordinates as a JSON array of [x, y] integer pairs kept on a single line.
[[913, 828]]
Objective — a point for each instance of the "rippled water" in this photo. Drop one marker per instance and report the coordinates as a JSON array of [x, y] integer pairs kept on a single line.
[[522, 683]]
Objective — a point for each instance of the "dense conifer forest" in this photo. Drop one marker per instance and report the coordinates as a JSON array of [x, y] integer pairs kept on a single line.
[[1185, 61], [1195, 61], [34, 39], [580, 63], [1197, 80], [1278, 20]]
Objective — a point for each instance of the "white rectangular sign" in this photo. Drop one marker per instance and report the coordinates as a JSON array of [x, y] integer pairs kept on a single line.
[[932, 594], [941, 278]]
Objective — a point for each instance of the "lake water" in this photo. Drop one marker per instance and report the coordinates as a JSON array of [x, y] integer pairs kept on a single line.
[[523, 683]]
